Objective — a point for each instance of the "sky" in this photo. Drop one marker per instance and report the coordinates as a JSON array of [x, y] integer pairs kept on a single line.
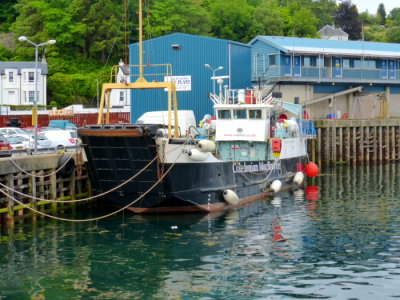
[[372, 6]]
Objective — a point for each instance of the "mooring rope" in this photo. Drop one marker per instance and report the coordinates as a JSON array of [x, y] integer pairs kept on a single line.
[[98, 195], [97, 218], [40, 176], [83, 199]]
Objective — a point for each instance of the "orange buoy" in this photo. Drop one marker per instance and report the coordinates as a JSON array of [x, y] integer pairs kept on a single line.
[[312, 169]]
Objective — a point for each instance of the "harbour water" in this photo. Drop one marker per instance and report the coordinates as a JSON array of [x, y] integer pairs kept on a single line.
[[338, 238]]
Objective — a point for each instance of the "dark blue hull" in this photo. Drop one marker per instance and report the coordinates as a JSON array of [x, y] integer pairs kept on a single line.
[[115, 156]]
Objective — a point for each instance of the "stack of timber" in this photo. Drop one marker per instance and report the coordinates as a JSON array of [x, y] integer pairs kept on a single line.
[[355, 141], [35, 175]]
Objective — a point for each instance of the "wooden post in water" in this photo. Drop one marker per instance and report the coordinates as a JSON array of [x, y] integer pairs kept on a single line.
[[10, 202], [32, 190]]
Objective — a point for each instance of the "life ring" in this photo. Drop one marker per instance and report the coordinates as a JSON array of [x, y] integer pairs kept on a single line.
[[65, 166]]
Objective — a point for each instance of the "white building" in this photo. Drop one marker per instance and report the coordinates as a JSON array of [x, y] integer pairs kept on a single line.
[[121, 97], [329, 32], [17, 83]]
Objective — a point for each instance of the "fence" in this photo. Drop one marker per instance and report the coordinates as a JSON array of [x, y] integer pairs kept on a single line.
[[78, 119]]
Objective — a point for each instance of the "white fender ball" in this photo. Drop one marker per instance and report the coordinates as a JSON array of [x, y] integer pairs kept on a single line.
[[231, 197], [298, 178], [195, 154], [276, 186], [206, 146]]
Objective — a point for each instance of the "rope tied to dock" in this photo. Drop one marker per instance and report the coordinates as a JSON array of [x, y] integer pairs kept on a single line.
[[83, 199], [40, 176], [91, 219], [93, 197]]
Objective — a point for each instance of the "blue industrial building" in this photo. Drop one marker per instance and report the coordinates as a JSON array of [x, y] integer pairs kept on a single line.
[[330, 76], [188, 55]]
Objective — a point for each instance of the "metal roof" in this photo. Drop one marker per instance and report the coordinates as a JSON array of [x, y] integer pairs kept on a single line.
[[19, 65], [333, 47], [328, 30]]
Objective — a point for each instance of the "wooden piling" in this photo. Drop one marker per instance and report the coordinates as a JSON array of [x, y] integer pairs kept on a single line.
[[357, 141], [44, 184]]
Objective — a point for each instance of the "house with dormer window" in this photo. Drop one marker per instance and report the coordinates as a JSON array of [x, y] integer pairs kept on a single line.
[[330, 77], [18, 80]]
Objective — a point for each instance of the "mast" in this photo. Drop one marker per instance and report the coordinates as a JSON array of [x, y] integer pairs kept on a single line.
[[126, 33], [141, 78]]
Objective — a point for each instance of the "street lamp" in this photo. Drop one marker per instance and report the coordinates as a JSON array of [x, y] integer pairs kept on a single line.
[[35, 99], [213, 70], [97, 93]]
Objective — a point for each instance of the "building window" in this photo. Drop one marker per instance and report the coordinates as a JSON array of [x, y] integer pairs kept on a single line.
[[11, 77], [272, 60], [121, 96], [31, 96], [370, 64], [310, 61], [346, 62], [31, 76]]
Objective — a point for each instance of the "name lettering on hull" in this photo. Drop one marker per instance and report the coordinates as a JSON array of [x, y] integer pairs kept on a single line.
[[247, 167]]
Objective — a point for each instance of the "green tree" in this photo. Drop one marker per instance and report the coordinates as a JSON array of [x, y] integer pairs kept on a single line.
[[232, 19], [367, 19], [347, 18], [325, 11], [304, 23], [170, 16], [267, 19], [393, 34], [7, 14], [79, 26], [393, 18], [5, 54], [381, 14]]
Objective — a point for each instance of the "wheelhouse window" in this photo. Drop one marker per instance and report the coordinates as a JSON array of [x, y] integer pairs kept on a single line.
[[239, 114], [11, 77], [255, 114], [224, 114], [121, 96]]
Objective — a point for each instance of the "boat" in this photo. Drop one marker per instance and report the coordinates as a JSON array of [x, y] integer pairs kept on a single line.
[[250, 149]]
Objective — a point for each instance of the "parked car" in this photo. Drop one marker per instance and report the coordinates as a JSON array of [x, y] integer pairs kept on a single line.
[[59, 138], [4, 143], [62, 124], [16, 142], [42, 142], [14, 131]]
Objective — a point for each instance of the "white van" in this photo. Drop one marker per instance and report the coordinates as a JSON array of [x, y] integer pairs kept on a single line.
[[186, 119], [59, 138]]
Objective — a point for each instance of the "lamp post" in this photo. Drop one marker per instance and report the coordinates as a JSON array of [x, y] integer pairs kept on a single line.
[[213, 70], [97, 93], [35, 99]]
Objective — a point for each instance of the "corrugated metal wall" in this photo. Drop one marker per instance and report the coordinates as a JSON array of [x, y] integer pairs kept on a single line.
[[189, 59]]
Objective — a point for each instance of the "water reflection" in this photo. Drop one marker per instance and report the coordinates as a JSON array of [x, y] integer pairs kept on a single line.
[[338, 237]]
